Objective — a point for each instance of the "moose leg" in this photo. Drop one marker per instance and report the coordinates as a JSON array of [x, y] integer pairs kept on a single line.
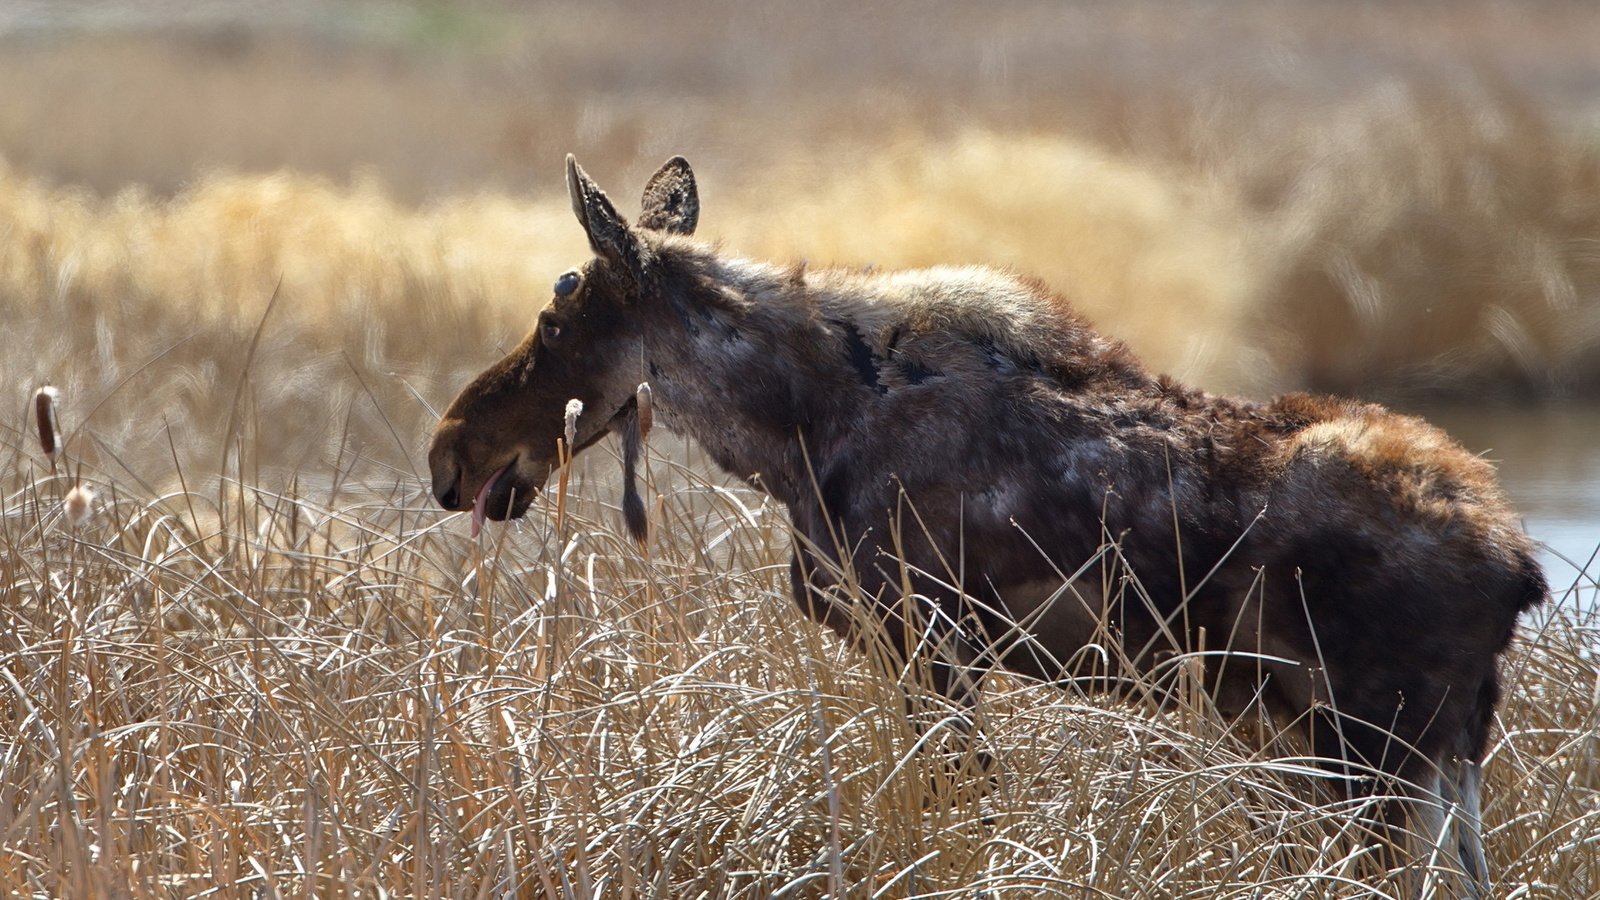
[[820, 599], [1455, 819], [941, 679], [1424, 811], [1433, 828], [1447, 825], [1463, 789], [1355, 752], [917, 644]]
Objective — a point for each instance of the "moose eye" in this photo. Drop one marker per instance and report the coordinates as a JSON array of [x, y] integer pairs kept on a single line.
[[567, 283]]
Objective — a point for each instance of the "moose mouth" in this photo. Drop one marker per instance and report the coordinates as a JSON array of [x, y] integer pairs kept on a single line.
[[508, 492], [503, 495]]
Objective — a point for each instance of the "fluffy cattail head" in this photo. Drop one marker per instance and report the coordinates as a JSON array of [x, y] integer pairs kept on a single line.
[[644, 397], [574, 410], [44, 410], [78, 505]]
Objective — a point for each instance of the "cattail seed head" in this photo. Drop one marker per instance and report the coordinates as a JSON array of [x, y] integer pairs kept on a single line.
[[645, 398], [44, 409], [78, 505], [574, 410]]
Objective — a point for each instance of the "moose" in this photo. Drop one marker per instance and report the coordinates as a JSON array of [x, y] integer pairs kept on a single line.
[[955, 447]]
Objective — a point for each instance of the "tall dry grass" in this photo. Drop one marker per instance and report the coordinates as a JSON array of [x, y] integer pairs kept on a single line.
[[298, 679], [146, 311], [354, 700], [1408, 243]]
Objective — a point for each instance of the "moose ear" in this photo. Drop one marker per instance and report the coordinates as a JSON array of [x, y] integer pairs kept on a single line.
[[671, 202], [608, 232]]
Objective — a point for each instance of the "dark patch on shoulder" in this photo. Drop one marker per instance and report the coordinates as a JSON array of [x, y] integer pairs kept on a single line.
[[894, 340], [1007, 361], [914, 371], [861, 356], [995, 359]]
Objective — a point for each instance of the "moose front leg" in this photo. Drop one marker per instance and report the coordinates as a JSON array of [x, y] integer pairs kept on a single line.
[[918, 644], [820, 598]]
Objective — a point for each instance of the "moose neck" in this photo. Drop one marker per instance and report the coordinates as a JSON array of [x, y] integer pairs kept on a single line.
[[743, 361]]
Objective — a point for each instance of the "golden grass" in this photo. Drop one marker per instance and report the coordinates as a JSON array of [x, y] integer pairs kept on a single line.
[[143, 310], [343, 700]]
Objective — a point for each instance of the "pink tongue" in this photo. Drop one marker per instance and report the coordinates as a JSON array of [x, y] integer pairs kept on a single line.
[[483, 493]]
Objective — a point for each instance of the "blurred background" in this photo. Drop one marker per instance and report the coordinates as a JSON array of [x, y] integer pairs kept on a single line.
[[1397, 200]]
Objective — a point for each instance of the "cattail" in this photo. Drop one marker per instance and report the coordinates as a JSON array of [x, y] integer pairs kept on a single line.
[[44, 408], [647, 417], [633, 515], [78, 505], [574, 410]]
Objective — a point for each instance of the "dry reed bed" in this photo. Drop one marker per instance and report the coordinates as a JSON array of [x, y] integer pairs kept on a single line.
[[302, 680], [207, 694]]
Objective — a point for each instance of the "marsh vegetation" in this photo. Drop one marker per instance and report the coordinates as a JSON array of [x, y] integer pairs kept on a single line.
[[257, 257]]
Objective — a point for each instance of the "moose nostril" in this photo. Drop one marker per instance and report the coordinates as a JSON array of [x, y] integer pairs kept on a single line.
[[449, 495]]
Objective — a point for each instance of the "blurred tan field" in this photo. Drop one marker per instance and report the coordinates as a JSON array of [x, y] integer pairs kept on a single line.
[[257, 248]]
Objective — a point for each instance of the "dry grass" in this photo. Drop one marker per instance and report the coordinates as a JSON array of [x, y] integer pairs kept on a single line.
[[266, 664], [271, 693]]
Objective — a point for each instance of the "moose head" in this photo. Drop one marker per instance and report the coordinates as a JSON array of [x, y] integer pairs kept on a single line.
[[499, 440]]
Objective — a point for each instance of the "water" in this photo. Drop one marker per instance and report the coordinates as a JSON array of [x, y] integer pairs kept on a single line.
[[1549, 462]]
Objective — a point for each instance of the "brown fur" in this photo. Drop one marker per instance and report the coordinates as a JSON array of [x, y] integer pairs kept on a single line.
[[961, 432]]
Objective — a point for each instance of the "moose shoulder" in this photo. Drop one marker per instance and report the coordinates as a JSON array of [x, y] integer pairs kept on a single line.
[[971, 444]]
